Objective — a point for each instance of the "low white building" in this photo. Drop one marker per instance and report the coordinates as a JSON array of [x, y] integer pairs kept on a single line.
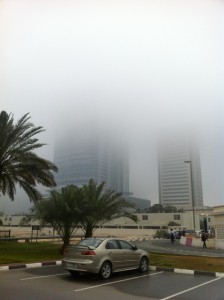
[[145, 221], [218, 223], [162, 220]]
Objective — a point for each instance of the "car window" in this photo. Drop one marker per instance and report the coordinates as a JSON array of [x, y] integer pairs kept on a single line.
[[90, 242], [112, 244], [125, 245]]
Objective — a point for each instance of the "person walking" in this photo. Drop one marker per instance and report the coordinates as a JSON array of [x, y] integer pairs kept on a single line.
[[172, 236], [204, 238]]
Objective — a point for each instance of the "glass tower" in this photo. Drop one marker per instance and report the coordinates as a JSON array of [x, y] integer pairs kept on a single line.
[[179, 182], [85, 154]]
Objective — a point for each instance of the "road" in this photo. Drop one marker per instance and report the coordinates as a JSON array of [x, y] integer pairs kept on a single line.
[[165, 246], [54, 283]]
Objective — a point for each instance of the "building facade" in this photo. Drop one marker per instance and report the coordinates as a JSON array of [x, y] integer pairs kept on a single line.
[[180, 183], [145, 221], [218, 215], [88, 154], [141, 204]]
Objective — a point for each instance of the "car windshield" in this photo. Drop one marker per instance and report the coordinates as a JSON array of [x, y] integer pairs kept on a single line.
[[90, 242]]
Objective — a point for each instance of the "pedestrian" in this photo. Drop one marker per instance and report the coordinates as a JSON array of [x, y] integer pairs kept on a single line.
[[204, 238], [172, 236], [183, 232]]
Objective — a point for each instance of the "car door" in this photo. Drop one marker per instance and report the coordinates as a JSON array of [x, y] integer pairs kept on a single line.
[[131, 256], [115, 254]]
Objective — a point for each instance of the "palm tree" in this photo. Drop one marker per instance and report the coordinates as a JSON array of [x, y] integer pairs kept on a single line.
[[61, 210], [18, 162], [100, 206]]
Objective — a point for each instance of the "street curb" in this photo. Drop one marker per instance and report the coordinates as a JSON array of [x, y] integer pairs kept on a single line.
[[151, 268], [30, 266], [188, 272]]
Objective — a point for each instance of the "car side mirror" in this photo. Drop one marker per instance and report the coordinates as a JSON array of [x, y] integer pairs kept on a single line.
[[135, 248]]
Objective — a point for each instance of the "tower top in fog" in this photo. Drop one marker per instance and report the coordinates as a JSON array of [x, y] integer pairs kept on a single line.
[[179, 182], [90, 153]]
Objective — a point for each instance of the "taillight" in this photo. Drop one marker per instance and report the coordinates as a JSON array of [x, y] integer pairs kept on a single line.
[[88, 252]]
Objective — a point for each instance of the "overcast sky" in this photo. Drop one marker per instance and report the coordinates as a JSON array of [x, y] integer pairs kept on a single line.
[[144, 64]]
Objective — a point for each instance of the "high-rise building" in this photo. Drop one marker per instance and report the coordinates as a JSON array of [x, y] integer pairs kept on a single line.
[[180, 182], [86, 154], [141, 204]]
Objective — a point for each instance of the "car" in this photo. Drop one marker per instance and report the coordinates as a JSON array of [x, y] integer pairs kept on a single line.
[[104, 256], [189, 231], [177, 234], [198, 233]]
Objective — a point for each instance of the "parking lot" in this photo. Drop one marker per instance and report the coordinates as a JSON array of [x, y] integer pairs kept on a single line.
[[54, 283]]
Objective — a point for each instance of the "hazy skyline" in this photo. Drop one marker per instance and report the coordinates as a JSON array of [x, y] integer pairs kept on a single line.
[[143, 65]]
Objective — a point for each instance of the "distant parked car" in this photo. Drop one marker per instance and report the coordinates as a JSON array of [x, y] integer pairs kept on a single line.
[[189, 231], [177, 234], [198, 233], [104, 256]]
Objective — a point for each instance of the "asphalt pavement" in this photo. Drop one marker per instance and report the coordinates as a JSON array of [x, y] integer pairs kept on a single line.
[[165, 246]]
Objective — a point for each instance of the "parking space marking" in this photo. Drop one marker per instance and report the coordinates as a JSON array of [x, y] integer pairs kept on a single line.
[[118, 281], [44, 276], [188, 290]]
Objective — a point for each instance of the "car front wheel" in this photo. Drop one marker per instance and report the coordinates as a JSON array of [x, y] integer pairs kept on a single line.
[[143, 266], [106, 270]]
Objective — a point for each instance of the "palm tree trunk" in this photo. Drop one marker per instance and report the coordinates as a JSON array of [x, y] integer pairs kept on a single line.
[[88, 230], [65, 239]]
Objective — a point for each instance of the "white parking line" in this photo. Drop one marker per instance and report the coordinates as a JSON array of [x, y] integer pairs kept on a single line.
[[39, 277], [118, 281], [193, 288]]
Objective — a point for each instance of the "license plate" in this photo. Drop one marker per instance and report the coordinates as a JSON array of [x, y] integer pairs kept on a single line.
[[72, 266]]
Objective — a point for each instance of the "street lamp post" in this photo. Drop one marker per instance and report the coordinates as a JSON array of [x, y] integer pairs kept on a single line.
[[192, 191]]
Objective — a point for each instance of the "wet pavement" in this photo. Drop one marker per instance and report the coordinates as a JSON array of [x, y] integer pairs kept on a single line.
[[165, 246]]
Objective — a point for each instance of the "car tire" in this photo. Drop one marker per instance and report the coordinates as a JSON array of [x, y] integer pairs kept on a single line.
[[74, 273], [144, 264], [105, 270]]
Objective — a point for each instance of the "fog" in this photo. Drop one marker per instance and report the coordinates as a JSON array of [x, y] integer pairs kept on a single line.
[[138, 66]]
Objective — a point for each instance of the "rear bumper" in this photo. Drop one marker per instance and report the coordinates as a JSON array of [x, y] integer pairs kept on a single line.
[[80, 267]]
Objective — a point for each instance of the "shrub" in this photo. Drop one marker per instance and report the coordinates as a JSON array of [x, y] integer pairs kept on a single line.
[[171, 223], [160, 234]]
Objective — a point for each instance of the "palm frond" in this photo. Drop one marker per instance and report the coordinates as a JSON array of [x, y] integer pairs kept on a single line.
[[18, 162]]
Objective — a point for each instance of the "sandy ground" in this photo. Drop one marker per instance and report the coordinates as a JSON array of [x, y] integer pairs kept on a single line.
[[110, 232]]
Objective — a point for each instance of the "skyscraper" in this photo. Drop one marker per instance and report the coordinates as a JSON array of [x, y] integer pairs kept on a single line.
[[87, 153], [180, 183]]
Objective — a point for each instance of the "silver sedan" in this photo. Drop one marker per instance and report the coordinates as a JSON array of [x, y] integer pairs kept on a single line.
[[104, 256]]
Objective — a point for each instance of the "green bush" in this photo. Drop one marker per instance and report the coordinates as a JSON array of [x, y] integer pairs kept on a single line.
[[160, 234], [171, 223]]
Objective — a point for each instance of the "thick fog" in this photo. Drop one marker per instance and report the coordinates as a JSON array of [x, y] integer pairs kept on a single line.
[[140, 67]]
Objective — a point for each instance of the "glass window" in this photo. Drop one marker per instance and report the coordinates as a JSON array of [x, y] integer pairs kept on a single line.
[[112, 245], [90, 242], [125, 245]]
